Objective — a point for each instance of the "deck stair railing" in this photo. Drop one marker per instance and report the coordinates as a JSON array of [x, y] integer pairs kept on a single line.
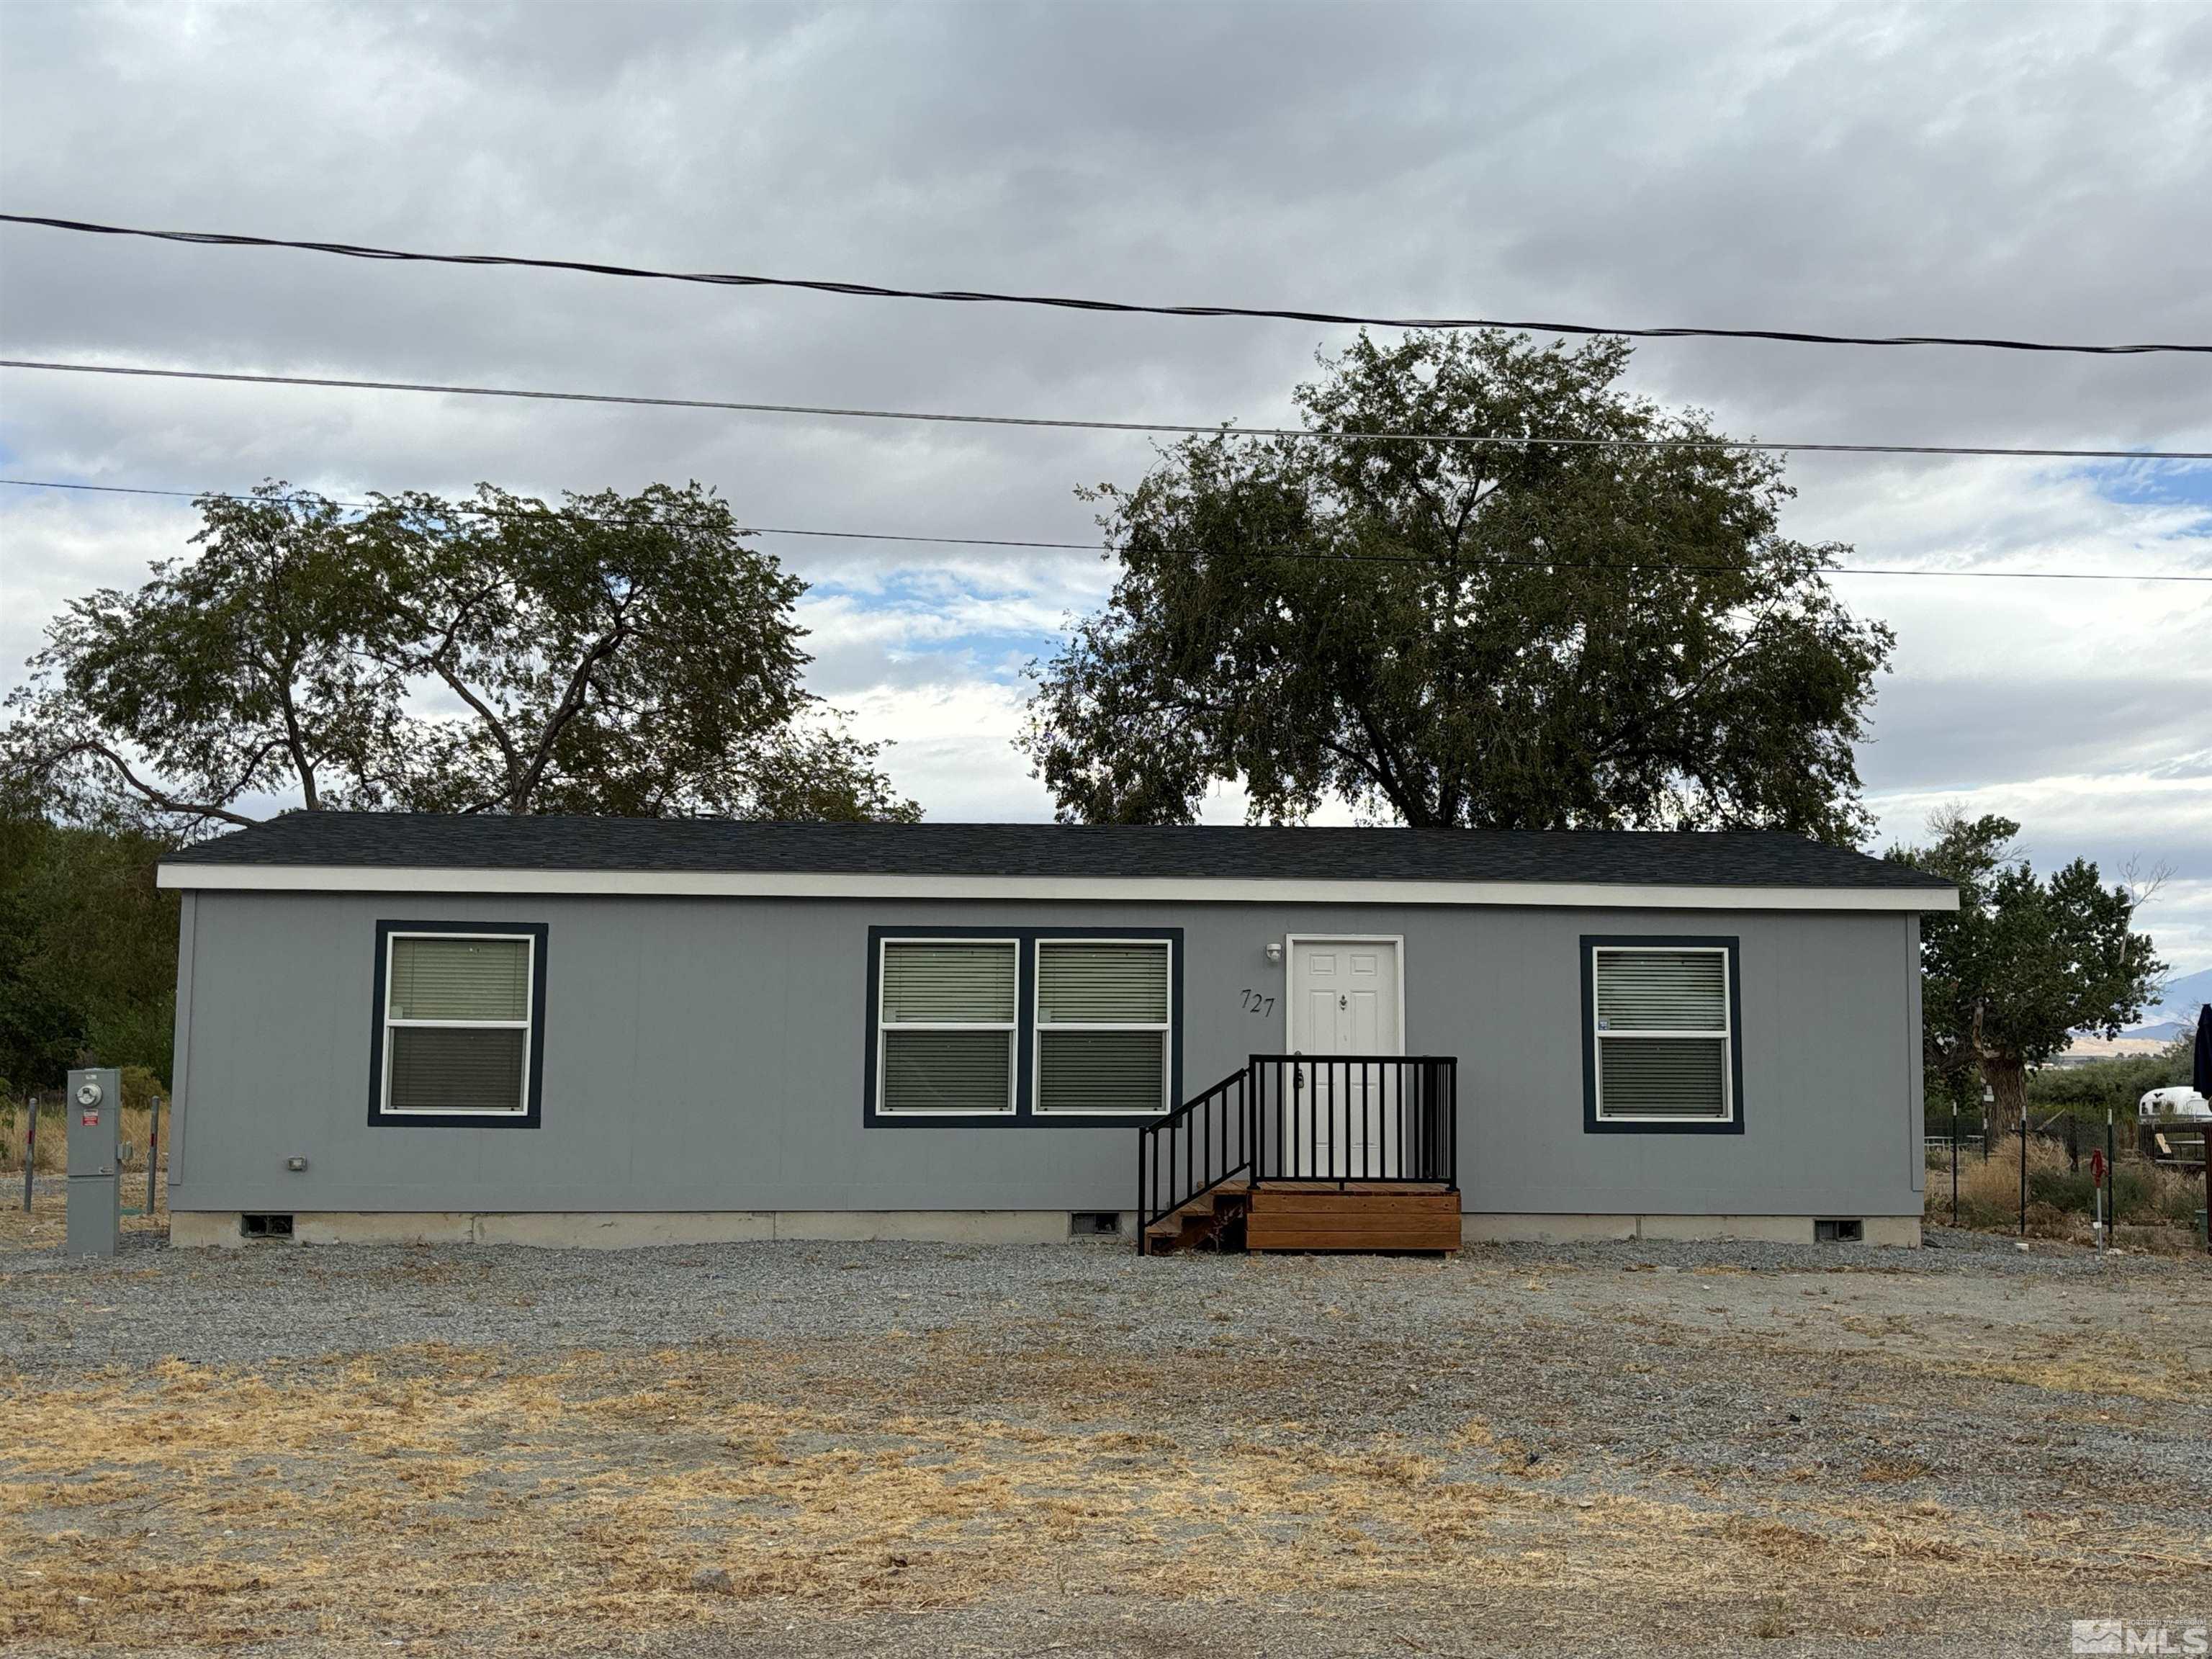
[[1194, 1149], [1347, 1120]]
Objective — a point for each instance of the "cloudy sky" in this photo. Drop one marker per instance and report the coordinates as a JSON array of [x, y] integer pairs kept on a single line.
[[1860, 169]]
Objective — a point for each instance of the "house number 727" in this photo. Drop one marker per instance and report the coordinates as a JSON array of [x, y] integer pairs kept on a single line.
[[1258, 1002]]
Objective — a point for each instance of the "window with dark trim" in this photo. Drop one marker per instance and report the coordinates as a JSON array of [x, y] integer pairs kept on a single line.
[[459, 1034], [1662, 1041], [1102, 1025], [1069, 1026], [945, 1038]]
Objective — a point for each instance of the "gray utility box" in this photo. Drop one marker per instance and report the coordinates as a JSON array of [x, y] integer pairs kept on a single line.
[[95, 1163]]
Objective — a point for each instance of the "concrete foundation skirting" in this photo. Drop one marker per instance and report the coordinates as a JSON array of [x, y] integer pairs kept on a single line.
[[572, 1231], [1493, 1229], [567, 1230]]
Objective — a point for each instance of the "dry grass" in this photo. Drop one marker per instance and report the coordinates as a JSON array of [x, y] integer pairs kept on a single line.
[[439, 1494], [45, 1222], [52, 1155], [2159, 1200]]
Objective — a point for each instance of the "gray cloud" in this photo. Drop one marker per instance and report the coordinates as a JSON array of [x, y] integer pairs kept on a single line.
[[2033, 171]]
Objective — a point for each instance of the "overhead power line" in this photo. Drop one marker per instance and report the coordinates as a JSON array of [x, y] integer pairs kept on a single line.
[[1257, 552], [1502, 440], [982, 296]]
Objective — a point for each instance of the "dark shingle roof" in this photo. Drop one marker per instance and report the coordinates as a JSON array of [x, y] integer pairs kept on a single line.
[[402, 840]]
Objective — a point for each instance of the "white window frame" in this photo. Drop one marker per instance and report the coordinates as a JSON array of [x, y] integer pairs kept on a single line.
[[525, 1025], [1725, 1036], [1039, 1026], [1012, 1028]]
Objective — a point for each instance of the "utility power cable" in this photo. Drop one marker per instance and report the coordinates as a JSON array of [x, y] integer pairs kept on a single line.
[[982, 296], [1307, 554], [1503, 439]]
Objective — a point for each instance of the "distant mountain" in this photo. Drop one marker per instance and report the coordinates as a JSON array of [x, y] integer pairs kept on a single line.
[[2176, 1011]]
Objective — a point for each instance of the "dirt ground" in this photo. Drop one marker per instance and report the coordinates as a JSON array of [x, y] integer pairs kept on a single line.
[[912, 1449]]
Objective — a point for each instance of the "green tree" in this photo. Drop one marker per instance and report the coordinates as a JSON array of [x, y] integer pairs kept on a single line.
[[87, 951], [2115, 1086], [613, 654], [1537, 636], [2023, 962]]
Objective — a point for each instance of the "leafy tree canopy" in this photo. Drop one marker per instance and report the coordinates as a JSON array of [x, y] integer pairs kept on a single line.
[[87, 951], [613, 654], [1545, 636], [2024, 962]]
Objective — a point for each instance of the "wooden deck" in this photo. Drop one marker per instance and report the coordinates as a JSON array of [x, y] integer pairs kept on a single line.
[[1288, 1215], [1313, 1215], [1231, 1168]]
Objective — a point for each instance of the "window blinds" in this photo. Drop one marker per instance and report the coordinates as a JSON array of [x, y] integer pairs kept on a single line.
[[926, 1071], [1654, 1008], [1661, 991], [1082, 983], [937, 983], [932, 983], [471, 979], [456, 1069], [1085, 984], [1101, 1071], [1662, 1077], [457, 1012]]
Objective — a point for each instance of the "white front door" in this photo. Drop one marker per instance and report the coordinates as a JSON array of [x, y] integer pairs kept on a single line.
[[1343, 1001]]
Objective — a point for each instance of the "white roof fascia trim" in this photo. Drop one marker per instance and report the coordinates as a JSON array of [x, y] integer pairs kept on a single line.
[[360, 878]]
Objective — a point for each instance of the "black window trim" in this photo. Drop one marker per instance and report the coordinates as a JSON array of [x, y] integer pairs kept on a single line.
[[1024, 1115], [1732, 944], [535, 1061]]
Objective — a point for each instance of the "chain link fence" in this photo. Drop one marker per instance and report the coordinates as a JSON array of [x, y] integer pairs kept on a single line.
[[2132, 1181]]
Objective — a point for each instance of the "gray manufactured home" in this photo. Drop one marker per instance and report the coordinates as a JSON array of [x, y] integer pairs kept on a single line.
[[569, 1030]]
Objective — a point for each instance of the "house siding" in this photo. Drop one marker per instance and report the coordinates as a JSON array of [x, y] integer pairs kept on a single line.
[[708, 1054]]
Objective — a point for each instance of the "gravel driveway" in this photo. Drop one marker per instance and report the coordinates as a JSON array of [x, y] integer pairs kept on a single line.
[[906, 1449]]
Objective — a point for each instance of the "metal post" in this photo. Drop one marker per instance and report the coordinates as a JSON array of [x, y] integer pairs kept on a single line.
[[152, 1153], [2111, 1176], [1144, 1189], [30, 1153], [1451, 1121], [2023, 1175], [1954, 1168]]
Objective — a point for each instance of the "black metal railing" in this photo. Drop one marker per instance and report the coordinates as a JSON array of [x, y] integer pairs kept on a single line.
[[1333, 1118], [1346, 1118], [1191, 1150]]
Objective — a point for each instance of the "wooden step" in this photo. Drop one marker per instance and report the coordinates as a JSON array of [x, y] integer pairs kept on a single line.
[[1198, 1220]]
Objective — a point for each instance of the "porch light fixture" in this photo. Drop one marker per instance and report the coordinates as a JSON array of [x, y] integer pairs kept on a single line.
[[1274, 949]]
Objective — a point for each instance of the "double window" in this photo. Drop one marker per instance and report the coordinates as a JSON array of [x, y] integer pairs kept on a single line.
[[458, 1037], [1024, 1026], [1662, 1050]]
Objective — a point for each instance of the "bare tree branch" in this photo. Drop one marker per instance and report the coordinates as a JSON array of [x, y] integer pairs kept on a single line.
[[152, 795]]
